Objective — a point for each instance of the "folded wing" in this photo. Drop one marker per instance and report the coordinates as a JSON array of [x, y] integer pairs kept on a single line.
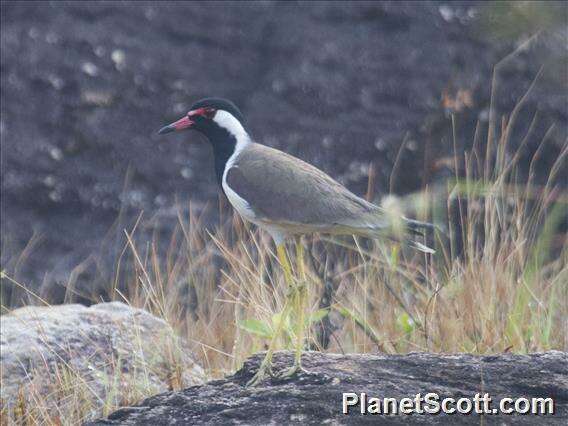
[[282, 188]]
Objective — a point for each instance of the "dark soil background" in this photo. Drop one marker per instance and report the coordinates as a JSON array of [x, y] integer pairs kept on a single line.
[[85, 86]]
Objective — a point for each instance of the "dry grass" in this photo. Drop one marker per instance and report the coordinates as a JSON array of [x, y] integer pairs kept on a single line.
[[496, 284]]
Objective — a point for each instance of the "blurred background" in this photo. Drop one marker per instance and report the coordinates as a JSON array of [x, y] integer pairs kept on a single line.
[[360, 90]]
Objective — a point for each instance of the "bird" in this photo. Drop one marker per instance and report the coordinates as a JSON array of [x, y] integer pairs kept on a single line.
[[287, 197]]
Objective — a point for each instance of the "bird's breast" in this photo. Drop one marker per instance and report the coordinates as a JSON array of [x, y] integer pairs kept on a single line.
[[241, 205]]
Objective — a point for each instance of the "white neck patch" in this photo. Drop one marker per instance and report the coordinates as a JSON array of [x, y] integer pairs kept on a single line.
[[231, 124], [228, 121]]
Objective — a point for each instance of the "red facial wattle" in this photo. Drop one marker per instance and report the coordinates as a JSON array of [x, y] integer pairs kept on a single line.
[[188, 121]]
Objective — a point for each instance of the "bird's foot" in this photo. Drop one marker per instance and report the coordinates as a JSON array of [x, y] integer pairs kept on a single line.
[[292, 371], [264, 370], [257, 378]]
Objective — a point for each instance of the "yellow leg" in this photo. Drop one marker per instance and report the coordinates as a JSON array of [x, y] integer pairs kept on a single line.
[[300, 259], [283, 258], [299, 301], [290, 297]]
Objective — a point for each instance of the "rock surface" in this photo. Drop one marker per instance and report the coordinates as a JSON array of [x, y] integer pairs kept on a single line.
[[317, 398], [85, 85], [111, 349]]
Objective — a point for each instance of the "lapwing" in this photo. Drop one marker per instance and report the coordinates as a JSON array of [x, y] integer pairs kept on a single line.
[[286, 197]]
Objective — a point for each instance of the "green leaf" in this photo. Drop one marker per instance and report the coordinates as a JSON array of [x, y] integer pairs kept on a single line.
[[317, 316], [276, 319], [256, 327], [406, 323], [394, 255]]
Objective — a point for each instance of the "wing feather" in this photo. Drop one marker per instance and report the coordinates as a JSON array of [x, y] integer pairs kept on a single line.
[[282, 188]]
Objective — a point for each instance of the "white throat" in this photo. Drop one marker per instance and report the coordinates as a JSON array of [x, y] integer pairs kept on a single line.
[[234, 127], [227, 121]]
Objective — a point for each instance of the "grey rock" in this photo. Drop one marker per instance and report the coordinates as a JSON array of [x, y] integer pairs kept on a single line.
[[316, 398], [106, 350]]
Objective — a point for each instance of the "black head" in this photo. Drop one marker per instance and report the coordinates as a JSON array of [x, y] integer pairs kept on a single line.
[[207, 115], [222, 124]]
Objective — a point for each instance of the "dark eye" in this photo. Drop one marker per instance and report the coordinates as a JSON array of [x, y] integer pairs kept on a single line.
[[209, 112]]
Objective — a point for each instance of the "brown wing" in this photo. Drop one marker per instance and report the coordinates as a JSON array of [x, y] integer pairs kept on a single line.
[[282, 188]]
